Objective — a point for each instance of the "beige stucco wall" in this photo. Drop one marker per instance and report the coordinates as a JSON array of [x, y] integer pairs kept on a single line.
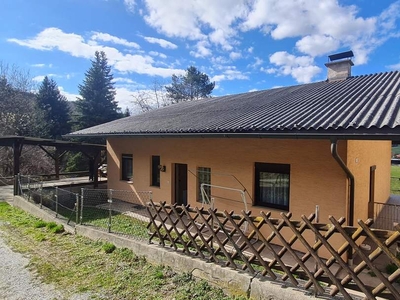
[[361, 156], [315, 179]]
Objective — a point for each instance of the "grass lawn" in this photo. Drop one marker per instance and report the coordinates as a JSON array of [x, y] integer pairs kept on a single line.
[[76, 264], [395, 182]]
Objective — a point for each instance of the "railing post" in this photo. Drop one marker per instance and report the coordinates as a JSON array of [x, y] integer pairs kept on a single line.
[[76, 209], [41, 194], [82, 197], [56, 196], [109, 211]]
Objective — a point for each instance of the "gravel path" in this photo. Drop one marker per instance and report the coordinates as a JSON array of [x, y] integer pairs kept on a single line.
[[17, 282]]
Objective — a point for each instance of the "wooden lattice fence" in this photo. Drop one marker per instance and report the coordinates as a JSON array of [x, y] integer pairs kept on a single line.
[[259, 245]]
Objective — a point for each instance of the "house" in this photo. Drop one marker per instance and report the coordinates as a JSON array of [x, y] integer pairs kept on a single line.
[[325, 144]]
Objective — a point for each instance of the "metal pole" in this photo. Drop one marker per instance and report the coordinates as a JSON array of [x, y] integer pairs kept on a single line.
[[109, 211], [41, 195], [82, 197], [76, 209], [56, 196]]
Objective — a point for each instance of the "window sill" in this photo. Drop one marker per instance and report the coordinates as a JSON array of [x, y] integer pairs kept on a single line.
[[265, 207]]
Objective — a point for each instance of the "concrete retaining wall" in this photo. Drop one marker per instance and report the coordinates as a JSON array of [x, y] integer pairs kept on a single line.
[[231, 281]]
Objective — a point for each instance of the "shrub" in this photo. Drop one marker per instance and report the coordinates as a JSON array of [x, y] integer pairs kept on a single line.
[[109, 247], [51, 225], [57, 229], [40, 224]]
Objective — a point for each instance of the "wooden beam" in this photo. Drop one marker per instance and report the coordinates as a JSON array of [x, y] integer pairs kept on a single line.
[[17, 147]]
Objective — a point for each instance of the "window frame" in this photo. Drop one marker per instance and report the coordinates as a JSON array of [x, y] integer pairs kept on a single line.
[[273, 168], [200, 171], [125, 176], [155, 175]]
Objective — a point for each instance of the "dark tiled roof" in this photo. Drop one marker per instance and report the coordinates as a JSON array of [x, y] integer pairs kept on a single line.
[[361, 104]]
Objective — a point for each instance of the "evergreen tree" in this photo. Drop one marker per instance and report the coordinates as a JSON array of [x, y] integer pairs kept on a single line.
[[191, 86], [55, 110], [97, 104]]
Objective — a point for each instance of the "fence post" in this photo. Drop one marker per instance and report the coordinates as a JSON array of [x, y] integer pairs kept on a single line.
[[82, 197], [41, 194], [29, 187], [76, 209], [109, 210], [56, 196]]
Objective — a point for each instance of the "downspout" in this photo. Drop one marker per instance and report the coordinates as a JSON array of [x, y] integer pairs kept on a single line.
[[350, 177], [350, 204]]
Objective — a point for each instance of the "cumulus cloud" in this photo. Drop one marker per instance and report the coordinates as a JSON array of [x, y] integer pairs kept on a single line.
[[230, 74], [163, 43], [301, 68], [219, 17], [105, 37], [69, 96], [76, 45], [235, 55], [202, 49]]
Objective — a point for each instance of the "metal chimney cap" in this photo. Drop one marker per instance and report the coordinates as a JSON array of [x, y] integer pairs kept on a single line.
[[337, 56]]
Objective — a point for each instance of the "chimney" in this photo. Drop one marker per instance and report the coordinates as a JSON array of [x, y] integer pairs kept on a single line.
[[339, 66]]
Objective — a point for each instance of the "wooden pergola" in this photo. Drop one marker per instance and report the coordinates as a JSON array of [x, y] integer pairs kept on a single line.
[[92, 151]]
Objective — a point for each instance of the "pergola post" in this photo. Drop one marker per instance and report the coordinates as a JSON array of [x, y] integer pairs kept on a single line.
[[17, 147]]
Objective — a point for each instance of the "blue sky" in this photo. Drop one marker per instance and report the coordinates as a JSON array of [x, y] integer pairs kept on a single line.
[[243, 45]]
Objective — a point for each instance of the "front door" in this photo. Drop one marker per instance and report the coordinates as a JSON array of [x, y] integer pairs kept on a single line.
[[181, 184]]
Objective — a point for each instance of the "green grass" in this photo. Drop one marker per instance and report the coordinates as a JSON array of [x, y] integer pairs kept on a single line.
[[76, 264], [396, 150], [119, 223], [395, 182]]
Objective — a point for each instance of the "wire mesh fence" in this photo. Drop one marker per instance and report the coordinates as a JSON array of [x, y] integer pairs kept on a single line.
[[116, 211]]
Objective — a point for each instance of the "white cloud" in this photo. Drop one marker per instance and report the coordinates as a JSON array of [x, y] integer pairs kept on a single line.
[[253, 90], [230, 74], [216, 17], [316, 45], [38, 65], [155, 53], [202, 49], [130, 5], [322, 26], [55, 39], [394, 67], [235, 55], [163, 43], [257, 62], [250, 49], [123, 80], [105, 37], [301, 68], [38, 78], [69, 96]]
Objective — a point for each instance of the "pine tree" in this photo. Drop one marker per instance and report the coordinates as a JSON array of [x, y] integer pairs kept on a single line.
[[55, 110], [97, 104], [191, 86]]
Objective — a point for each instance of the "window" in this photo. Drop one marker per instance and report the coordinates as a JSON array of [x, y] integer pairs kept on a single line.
[[127, 167], [155, 170], [272, 183], [203, 176]]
